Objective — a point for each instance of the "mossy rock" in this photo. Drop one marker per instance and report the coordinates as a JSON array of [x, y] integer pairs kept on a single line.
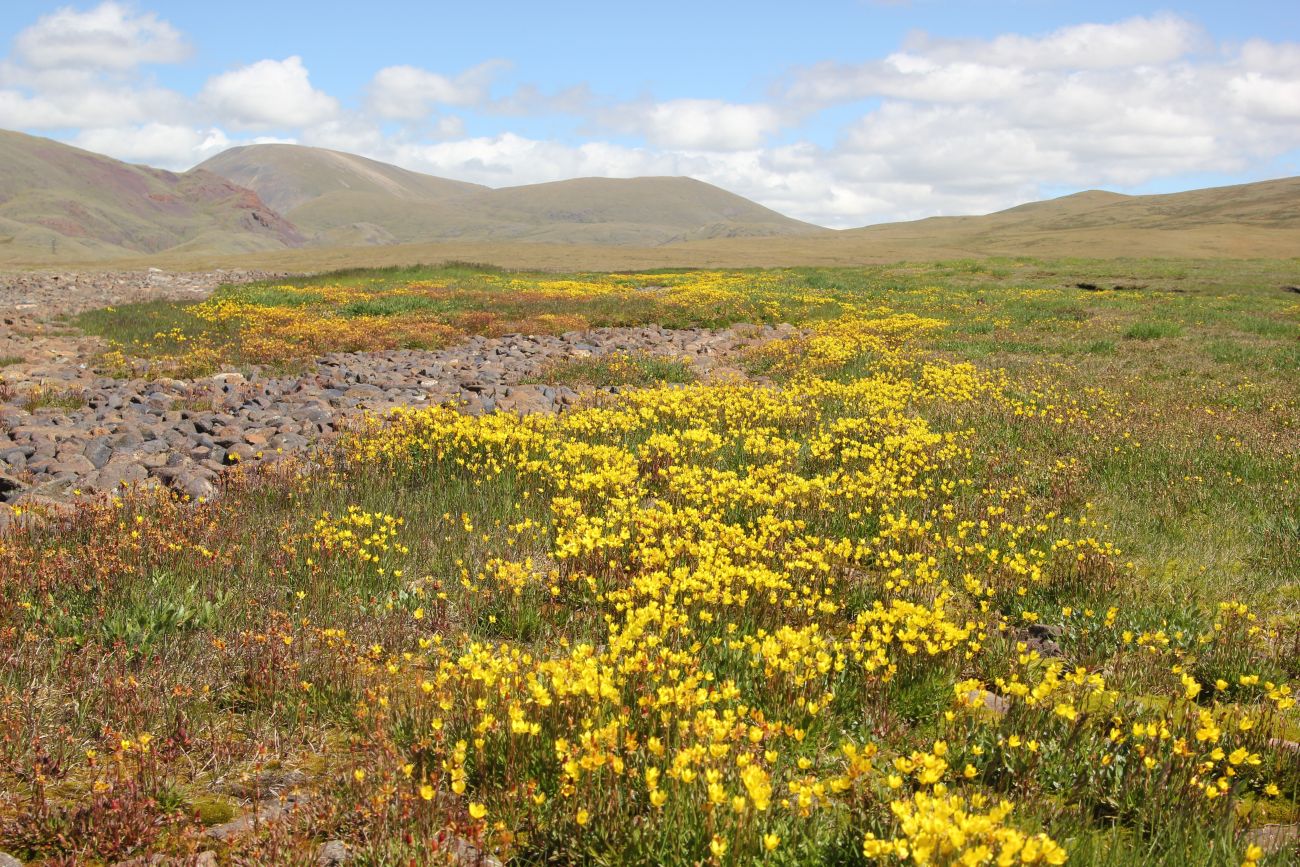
[[213, 809], [1253, 812], [1100, 701]]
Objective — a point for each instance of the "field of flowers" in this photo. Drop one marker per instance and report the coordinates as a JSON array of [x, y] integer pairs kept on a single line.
[[984, 567]]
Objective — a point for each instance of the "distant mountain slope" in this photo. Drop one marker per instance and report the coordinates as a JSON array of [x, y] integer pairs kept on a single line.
[[68, 203], [678, 208], [60, 204], [341, 198], [1257, 219], [286, 176]]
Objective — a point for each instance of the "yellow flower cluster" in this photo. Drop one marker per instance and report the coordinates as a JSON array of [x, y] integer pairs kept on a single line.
[[942, 829], [759, 560], [368, 538]]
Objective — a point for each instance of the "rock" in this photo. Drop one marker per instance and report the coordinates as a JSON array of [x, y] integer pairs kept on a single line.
[[193, 485], [239, 453], [267, 811], [116, 474], [10, 486], [77, 465], [269, 782], [465, 854], [989, 701], [1274, 838], [98, 452], [133, 433], [1045, 631], [7, 860], [1041, 638], [288, 442], [333, 853]]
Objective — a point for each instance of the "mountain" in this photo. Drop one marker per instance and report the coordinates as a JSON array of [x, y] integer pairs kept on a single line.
[[60, 204], [68, 204], [1259, 219], [340, 198], [286, 176]]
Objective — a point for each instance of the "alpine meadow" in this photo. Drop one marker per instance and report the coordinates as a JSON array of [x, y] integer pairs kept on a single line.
[[435, 462]]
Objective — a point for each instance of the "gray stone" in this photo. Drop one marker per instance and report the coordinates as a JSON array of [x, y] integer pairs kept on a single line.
[[239, 453], [267, 811], [333, 853], [465, 854], [133, 434], [77, 465], [1274, 838], [115, 474], [989, 701], [98, 451]]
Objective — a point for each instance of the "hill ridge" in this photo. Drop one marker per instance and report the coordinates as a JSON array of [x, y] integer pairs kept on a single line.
[[81, 204], [340, 198]]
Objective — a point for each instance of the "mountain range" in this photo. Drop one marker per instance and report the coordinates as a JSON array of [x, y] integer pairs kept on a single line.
[[61, 204], [343, 199]]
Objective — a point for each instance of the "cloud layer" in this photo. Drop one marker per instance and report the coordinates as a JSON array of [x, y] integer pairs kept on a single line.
[[937, 126]]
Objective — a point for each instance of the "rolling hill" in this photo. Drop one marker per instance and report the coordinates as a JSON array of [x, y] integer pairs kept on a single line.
[[1260, 219], [251, 205], [71, 204], [340, 198]]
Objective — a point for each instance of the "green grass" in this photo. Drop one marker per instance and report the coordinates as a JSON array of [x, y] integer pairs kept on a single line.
[[1186, 461], [1152, 330], [635, 369], [53, 398], [10, 360], [137, 325]]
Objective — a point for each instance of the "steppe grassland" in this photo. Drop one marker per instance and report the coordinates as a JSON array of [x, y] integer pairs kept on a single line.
[[714, 622]]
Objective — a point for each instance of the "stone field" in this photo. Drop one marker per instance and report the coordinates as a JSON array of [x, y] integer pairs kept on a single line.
[[98, 433]]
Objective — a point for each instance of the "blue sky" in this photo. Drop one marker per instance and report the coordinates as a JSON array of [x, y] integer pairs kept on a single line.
[[842, 113]]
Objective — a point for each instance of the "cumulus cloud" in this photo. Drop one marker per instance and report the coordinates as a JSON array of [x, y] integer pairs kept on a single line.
[[1135, 42], [982, 124], [164, 145], [108, 37], [410, 93], [89, 104], [268, 94], [80, 70], [697, 124]]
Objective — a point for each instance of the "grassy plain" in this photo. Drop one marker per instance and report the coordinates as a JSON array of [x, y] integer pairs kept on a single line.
[[1004, 556]]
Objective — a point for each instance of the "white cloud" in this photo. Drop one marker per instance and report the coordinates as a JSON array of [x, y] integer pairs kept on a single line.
[[696, 124], [268, 94], [168, 146], [410, 93], [796, 180], [527, 99], [955, 70], [91, 103], [107, 37], [1135, 42], [980, 125]]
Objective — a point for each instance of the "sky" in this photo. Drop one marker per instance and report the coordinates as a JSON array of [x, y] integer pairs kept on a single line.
[[841, 113]]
